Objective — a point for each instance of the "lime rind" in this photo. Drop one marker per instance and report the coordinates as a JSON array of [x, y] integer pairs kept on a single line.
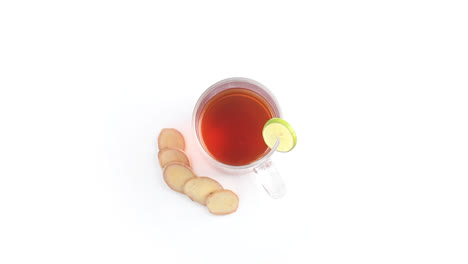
[[278, 129]]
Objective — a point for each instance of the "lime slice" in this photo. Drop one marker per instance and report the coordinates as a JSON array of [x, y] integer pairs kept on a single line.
[[278, 129]]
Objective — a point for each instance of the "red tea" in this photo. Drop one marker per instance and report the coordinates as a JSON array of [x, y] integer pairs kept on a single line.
[[231, 126]]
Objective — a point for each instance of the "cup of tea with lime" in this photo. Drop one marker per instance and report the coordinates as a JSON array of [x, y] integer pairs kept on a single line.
[[238, 125]]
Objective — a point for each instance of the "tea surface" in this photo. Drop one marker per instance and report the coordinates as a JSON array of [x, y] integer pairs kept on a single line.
[[231, 126]]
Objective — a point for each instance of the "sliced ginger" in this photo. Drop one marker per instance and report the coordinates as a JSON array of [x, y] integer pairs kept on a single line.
[[179, 176], [199, 188], [222, 202], [171, 138], [176, 175], [169, 155]]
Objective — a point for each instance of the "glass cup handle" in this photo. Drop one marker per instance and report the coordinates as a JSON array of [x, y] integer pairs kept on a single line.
[[271, 179]]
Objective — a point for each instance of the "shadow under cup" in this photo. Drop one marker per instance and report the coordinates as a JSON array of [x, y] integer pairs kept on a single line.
[[228, 120]]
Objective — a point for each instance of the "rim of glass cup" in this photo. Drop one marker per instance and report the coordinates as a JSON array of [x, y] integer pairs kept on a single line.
[[273, 103]]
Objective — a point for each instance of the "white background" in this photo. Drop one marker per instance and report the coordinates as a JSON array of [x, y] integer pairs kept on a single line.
[[377, 92]]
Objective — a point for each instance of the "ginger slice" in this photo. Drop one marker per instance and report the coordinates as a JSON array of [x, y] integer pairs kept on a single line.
[[176, 175], [222, 202], [169, 155], [171, 138], [199, 188]]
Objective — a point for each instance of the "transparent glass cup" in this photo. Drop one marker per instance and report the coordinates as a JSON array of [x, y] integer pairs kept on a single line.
[[263, 167]]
